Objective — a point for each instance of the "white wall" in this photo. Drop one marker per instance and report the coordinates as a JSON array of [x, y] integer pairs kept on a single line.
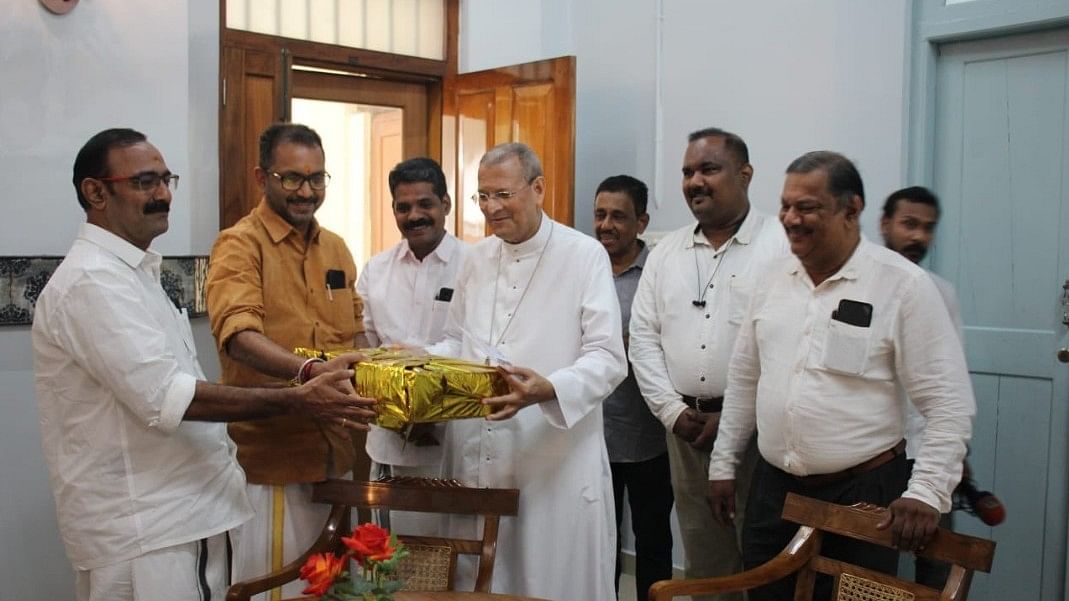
[[787, 76], [147, 65]]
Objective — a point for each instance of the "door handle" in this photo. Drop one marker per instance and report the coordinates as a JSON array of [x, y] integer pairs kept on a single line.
[[1065, 304], [1063, 355]]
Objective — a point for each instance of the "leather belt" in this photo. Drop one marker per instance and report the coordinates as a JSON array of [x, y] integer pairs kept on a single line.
[[861, 468], [704, 405]]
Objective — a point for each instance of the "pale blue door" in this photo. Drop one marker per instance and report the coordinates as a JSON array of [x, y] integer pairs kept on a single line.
[[1002, 169]]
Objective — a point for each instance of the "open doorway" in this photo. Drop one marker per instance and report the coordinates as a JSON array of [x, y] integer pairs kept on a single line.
[[362, 143]]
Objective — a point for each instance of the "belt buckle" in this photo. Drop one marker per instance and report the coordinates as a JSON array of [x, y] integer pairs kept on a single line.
[[706, 405]]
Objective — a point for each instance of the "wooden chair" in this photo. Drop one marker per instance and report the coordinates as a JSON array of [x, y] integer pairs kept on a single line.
[[432, 561], [802, 557]]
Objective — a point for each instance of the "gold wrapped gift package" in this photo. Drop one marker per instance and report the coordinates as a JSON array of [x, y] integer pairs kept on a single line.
[[417, 389]]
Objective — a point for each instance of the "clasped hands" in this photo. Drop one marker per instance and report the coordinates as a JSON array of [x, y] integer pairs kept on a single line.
[[696, 428], [328, 396]]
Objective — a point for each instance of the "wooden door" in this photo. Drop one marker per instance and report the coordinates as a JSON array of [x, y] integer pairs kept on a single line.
[[533, 103], [387, 151], [1002, 169], [254, 93]]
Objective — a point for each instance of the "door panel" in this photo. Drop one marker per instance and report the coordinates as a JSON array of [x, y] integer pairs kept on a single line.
[[1001, 167], [474, 136], [254, 94], [533, 103]]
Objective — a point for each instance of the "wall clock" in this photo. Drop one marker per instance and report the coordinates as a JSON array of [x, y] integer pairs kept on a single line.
[[59, 7]]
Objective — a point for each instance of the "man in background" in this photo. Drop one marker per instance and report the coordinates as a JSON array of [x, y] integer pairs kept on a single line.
[[908, 224], [634, 438]]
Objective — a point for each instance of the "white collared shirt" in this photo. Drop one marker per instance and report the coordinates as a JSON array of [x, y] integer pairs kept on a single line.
[[824, 395], [406, 301], [115, 369], [676, 347]]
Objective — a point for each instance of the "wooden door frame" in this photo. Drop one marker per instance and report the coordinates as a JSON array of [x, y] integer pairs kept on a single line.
[[392, 67]]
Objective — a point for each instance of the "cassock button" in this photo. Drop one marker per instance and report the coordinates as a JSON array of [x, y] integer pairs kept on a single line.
[[702, 378], [707, 316], [703, 347]]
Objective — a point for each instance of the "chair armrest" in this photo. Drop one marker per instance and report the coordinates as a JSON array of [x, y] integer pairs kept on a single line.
[[327, 541], [797, 553]]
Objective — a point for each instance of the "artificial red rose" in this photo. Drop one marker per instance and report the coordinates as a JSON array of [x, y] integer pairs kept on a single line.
[[320, 571], [369, 542]]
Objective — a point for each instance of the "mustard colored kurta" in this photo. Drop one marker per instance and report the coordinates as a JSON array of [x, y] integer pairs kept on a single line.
[[266, 278]]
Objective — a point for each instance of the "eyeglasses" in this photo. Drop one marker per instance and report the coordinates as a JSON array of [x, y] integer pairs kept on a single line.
[[294, 181], [500, 195], [147, 182]]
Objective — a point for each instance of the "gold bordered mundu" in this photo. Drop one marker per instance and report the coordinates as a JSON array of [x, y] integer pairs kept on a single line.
[[416, 389]]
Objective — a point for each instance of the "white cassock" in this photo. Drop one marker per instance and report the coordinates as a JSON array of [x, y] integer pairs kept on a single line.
[[559, 316]]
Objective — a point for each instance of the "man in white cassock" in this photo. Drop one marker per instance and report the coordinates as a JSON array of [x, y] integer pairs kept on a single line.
[[539, 295]]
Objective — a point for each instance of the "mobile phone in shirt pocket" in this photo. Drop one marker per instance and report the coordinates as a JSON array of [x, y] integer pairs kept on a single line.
[[846, 348]]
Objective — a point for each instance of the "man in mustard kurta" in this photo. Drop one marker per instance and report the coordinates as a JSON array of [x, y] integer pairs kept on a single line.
[[279, 281]]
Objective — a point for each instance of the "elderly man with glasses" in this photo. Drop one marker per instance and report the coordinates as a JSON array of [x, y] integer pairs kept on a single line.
[[538, 294], [278, 281]]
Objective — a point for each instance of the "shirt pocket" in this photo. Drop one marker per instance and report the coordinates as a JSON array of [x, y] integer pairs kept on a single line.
[[342, 314], [185, 329], [846, 348], [740, 289], [439, 313]]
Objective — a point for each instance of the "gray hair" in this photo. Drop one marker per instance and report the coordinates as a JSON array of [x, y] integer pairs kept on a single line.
[[532, 166], [844, 181]]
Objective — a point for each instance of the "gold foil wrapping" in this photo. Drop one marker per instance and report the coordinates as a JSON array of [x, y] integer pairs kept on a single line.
[[414, 389]]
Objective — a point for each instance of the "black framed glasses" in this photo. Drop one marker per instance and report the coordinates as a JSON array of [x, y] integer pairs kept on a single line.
[[500, 195], [293, 181], [148, 181]]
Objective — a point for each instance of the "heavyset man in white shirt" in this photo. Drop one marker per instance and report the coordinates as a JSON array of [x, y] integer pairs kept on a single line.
[[831, 337], [686, 313], [538, 294], [407, 290], [143, 473]]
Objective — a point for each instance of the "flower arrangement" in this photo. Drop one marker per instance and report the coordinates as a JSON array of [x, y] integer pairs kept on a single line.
[[375, 550]]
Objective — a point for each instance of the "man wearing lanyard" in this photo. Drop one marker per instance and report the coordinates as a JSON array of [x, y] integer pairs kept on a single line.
[[693, 292]]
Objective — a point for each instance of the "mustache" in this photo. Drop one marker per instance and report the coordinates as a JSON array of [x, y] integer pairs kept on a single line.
[[311, 200], [157, 206], [916, 248], [411, 225]]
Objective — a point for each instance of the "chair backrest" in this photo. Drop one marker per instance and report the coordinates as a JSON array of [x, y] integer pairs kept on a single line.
[[431, 559], [965, 554], [802, 558]]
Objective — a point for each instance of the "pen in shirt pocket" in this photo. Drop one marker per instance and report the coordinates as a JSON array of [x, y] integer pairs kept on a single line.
[[335, 279]]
